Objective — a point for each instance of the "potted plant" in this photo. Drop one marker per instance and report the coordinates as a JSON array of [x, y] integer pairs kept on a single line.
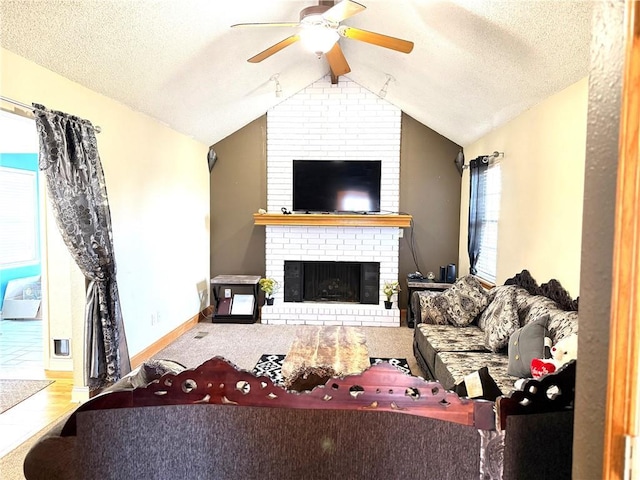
[[269, 286], [390, 288]]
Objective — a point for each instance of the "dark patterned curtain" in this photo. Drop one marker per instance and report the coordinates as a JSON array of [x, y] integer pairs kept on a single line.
[[477, 167], [75, 183]]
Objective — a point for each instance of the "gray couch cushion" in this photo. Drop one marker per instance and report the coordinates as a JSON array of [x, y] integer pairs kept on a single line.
[[451, 368], [431, 339]]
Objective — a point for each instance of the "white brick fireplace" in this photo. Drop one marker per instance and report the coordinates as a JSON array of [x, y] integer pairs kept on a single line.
[[332, 122]]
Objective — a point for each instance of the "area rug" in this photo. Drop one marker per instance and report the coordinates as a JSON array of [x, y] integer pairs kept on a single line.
[[270, 365], [12, 392]]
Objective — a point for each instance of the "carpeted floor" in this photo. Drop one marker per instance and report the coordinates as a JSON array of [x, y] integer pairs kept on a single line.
[[244, 344], [12, 392]]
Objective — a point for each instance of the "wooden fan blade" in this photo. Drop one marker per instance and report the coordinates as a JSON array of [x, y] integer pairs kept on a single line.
[[274, 49], [279, 24], [343, 10], [393, 43], [337, 61]]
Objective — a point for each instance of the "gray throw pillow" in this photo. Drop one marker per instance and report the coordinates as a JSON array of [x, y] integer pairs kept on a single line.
[[525, 344], [501, 320]]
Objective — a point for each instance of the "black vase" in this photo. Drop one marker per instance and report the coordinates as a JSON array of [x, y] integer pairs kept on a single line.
[[269, 300], [451, 273], [387, 304]]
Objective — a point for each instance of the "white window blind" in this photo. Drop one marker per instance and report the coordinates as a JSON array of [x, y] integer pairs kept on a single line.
[[18, 217], [487, 259]]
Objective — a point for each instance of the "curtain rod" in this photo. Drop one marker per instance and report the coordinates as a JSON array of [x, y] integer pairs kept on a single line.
[[493, 158], [459, 160], [30, 108]]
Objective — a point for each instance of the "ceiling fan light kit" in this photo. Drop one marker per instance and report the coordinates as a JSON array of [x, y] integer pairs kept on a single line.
[[321, 30], [318, 39]]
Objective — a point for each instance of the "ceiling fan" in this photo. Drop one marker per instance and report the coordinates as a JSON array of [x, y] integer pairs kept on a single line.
[[320, 30]]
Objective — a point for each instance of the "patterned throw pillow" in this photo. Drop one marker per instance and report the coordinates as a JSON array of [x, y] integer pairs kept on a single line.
[[464, 301], [500, 321], [498, 294], [432, 309]]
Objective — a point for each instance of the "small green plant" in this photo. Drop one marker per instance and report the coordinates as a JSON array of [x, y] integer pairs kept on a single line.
[[390, 288], [269, 286]]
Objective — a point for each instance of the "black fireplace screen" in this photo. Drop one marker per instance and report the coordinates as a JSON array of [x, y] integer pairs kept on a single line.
[[331, 282], [344, 282]]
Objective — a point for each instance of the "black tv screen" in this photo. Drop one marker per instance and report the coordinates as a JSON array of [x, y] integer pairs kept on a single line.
[[336, 186]]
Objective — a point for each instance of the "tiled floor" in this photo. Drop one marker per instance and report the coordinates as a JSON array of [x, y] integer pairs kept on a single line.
[[20, 347], [21, 356]]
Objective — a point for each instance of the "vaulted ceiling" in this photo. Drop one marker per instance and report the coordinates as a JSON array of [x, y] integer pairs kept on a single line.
[[476, 63]]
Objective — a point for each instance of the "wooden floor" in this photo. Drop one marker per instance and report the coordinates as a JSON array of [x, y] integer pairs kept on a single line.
[[21, 357], [27, 418]]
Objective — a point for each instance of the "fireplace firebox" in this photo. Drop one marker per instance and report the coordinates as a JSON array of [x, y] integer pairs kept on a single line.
[[341, 282]]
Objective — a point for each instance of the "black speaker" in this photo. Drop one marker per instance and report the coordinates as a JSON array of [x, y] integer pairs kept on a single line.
[[451, 273], [370, 283], [293, 281], [443, 274]]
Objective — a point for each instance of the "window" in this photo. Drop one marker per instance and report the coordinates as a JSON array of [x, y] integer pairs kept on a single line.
[[487, 258], [18, 207]]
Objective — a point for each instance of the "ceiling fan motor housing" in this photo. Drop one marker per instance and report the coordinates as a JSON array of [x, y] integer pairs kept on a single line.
[[313, 11]]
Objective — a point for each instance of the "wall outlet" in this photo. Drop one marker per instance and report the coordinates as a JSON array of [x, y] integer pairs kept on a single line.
[[227, 293], [154, 318]]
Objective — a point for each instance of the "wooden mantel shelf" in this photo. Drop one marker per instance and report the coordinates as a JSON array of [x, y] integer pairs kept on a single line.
[[334, 220]]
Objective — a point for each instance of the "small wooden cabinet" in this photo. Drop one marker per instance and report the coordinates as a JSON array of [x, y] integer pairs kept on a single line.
[[235, 298]]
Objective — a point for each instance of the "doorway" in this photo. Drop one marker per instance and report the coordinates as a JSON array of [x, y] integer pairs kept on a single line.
[[22, 334]]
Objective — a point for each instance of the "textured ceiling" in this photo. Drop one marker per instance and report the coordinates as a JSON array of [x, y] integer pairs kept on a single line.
[[475, 65]]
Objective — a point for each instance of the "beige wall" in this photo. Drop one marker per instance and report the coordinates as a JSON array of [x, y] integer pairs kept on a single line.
[[158, 188], [540, 226]]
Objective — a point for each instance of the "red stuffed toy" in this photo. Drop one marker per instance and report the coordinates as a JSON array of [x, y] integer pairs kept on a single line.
[[563, 351]]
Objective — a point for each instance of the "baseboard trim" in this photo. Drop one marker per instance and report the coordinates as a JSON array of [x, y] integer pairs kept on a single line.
[[80, 394], [162, 342]]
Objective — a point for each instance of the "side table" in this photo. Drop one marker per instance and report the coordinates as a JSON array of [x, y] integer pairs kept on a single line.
[[235, 298], [414, 285]]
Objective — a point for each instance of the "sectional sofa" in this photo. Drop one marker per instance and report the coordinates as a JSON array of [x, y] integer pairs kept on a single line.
[[467, 328]]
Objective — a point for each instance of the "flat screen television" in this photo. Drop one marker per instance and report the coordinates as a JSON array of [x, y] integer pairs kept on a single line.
[[336, 186]]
